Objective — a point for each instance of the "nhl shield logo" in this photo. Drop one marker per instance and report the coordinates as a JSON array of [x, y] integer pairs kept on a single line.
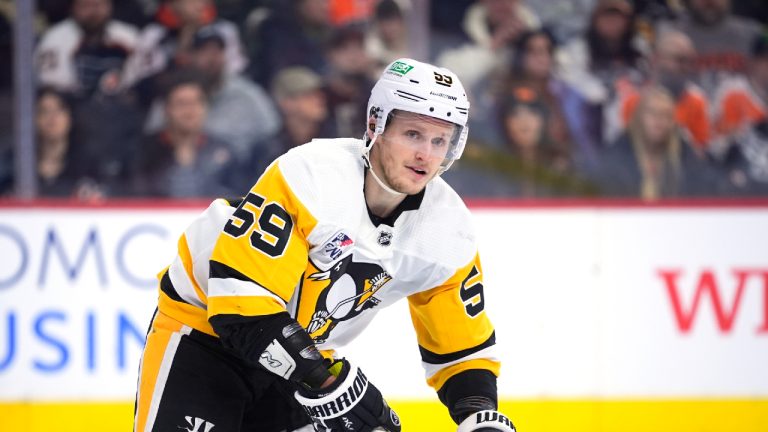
[[385, 238]]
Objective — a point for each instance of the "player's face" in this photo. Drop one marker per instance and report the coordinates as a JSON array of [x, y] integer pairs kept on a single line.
[[411, 150]]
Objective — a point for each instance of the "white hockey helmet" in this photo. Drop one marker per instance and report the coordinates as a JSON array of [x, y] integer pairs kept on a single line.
[[421, 88]]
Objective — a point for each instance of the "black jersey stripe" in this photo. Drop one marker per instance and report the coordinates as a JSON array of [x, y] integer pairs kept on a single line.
[[222, 271], [428, 356], [167, 287]]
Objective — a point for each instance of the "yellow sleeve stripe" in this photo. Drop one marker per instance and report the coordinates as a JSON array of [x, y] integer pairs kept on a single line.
[[437, 380], [186, 260]]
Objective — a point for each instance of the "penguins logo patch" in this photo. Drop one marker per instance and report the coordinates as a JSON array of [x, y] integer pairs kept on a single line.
[[338, 294]]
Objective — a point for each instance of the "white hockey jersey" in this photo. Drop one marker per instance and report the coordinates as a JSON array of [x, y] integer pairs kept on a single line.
[[303, 241], [55, 55]]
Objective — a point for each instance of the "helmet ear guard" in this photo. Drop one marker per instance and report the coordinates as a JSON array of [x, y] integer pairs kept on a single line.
[[419, 88]]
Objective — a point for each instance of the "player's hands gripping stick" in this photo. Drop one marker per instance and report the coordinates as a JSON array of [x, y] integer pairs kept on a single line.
[[350, 403]]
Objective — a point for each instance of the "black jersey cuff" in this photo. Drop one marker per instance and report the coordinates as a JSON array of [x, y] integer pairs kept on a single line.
[[468, 392]]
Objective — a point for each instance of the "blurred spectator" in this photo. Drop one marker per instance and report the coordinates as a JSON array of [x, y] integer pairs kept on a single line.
[[344, 12], [533, 67], [109, 132], [722, 39], [239, 111], [348, 81], [60, 162], [299, 94], [294, 34], [526, 165], [86, 51], [166, 44], [742, 102], [609, 50], [387, 40], [651, 160], [134, 12], [672, 68], [492, 26], [237, 11], [566, 18], [182, 161], [747, 161], [741, 117]]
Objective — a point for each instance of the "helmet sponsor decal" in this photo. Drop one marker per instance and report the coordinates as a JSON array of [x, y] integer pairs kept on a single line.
[[400, 68]]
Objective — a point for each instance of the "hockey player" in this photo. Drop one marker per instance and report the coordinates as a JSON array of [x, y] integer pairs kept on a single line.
[[266, 288]]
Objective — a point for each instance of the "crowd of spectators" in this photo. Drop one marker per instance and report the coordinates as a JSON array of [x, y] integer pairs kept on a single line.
[[642, 99]]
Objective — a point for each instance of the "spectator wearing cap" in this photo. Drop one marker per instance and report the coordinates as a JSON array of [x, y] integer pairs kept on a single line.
[[528, 164], [652, 160], [299, 94], [301, 100], [182, 160], [672, 68], [85, 52], [492, 26], [387, 40], [348, 80], [722, 40], [239, 111], [166, 44]]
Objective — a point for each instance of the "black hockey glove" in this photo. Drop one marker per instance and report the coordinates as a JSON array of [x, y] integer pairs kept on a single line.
[[487, 421], [350, 403]]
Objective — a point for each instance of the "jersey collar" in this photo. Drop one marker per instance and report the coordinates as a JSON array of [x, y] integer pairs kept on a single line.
[[410, 202]]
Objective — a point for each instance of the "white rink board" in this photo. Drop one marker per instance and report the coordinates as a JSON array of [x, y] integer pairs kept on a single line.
[[577, 295]]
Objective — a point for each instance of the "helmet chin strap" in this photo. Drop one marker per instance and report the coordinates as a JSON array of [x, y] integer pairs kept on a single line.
[[381, 183]]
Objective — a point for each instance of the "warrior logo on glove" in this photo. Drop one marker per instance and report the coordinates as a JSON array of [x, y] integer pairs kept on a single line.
[[487, 421], [351, 403]]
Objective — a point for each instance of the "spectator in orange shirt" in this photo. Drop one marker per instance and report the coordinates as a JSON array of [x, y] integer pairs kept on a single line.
[[652, 160], [741, 119], [671, 68], [742, 102]]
